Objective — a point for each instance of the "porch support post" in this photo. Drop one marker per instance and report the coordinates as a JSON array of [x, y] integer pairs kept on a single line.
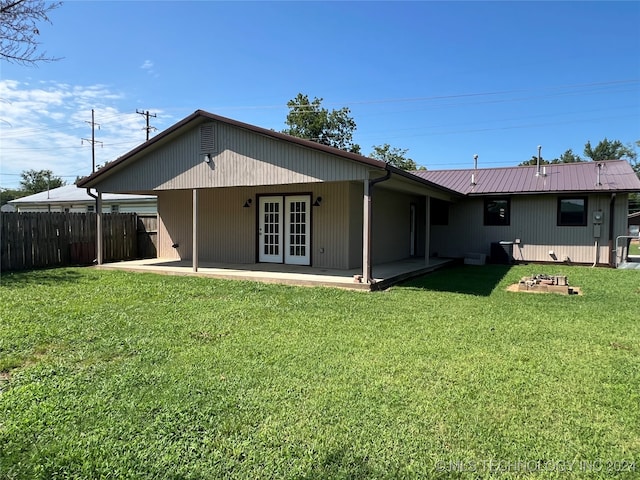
[[427, 229], [195, 231], [366, 234], [99, 243]]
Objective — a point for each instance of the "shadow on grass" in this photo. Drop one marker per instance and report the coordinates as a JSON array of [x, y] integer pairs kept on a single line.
[[27, 278], [467, 279], [341, 463]]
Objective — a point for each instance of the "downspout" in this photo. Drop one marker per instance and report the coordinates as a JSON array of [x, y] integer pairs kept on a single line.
[[379, 180], [367, 262], [612, 210], [93, 196]]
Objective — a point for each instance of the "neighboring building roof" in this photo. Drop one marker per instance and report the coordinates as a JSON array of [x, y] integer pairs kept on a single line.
[[614, 175], [7, 208], [73, 194]]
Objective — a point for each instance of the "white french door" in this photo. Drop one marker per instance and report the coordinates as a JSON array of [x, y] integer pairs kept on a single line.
[[297, 227], [284, 233]]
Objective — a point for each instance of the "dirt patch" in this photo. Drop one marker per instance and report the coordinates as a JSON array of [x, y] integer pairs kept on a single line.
[[4, 380], [516, 288]]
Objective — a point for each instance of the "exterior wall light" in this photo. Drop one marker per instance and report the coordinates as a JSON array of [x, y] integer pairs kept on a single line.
[[317, 202], [248, 203]]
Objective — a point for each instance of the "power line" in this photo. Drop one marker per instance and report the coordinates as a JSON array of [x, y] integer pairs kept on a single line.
[[93, 140], [147, 115]]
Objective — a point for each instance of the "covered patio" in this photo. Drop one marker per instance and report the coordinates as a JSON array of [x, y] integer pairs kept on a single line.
[[384, 275]]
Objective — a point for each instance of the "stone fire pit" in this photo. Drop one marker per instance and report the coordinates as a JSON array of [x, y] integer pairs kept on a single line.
[[546, 284]]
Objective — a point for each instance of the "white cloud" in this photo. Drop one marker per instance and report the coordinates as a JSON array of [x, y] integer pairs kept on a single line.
[[148, 65], [42, 127]]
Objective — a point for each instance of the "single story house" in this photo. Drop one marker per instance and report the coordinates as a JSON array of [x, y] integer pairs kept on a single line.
[[230, 192], [70, 198], [571, 212]]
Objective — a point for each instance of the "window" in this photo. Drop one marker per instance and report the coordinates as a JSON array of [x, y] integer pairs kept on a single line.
[[115, 208], [572, 212], [91, 208], [439, 212], [497, 211]]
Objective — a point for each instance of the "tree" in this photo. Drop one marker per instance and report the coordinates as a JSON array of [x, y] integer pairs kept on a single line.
[[8, 194], [394, 156], [534, 161], [609, 150], [36, 181], [18, 30], [306, 119], [567, 157], [636, 164]]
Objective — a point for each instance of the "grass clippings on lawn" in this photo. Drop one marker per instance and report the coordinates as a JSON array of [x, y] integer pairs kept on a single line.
[[117, 375]]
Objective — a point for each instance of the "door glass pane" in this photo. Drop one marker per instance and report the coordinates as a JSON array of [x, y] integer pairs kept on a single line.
[[297, 228], [271, 223]]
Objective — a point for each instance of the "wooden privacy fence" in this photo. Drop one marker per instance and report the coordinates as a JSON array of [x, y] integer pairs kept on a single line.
[[37, 240]]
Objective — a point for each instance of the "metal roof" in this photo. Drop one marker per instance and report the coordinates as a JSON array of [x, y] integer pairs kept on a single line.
[[73, 194], [613, 176]]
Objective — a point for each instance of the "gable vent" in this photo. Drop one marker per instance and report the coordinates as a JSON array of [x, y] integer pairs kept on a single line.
[[207, 138]]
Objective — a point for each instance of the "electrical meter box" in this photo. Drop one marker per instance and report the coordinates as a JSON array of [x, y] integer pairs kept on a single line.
[[597, 217]]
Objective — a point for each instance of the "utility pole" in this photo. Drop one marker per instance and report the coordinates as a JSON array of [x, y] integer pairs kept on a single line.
[[147, 115], [93, 140]]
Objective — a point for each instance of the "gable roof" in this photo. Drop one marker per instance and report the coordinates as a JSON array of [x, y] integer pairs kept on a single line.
[[73, 194], [615, 176], [201, 116]]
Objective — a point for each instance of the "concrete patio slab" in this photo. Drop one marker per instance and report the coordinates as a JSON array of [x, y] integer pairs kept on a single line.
[[385, 275]]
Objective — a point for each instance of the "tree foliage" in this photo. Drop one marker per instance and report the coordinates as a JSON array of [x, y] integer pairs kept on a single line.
[[394, 156], [307, 119], [19, 32], [8, 194], [609, 150], [36, 181], [567, 157], [605, 150]]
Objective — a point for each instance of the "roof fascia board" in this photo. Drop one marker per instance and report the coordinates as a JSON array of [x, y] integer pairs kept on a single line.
[[551, 192]]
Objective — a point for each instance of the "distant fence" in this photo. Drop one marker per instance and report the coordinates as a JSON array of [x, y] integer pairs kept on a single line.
[[147, 233], [39, 240]]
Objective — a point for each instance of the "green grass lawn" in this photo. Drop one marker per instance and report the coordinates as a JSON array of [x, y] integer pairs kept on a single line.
[[116, 375], [634, 248]]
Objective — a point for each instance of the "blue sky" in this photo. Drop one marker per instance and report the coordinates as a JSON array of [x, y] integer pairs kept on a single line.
[[445, 80]]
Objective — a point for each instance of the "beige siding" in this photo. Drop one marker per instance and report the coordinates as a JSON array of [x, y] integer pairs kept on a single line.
[[227, 230], [391, 239], [356, 213], [174, 224], [534, 222], [243, 158]]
